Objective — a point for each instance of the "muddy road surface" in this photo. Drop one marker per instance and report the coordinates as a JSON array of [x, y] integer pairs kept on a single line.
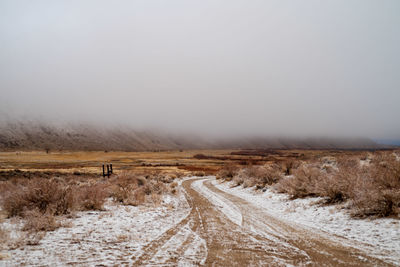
[[225, 230]]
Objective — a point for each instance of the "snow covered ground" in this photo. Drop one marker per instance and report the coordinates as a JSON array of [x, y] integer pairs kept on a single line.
[[224, 205], [178, 231], [378, 237], [114, 236]]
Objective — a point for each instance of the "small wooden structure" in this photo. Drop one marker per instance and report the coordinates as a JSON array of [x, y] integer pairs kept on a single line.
[[109, 170]]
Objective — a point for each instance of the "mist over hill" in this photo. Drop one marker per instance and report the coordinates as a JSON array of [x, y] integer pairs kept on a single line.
[[33, 135]]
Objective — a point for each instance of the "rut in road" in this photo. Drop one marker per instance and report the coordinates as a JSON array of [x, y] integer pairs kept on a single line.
[[261, 240], [320, 249]]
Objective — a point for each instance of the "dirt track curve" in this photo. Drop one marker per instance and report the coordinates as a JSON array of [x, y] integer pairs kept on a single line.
[[207, 237]]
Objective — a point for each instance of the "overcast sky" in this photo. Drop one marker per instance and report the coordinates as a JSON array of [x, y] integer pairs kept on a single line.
[[212, 66]]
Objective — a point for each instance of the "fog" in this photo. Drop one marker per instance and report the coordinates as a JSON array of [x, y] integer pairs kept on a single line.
[[217, 67]]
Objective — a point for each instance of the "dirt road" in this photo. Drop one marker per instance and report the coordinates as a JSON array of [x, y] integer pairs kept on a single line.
[[250, 237]]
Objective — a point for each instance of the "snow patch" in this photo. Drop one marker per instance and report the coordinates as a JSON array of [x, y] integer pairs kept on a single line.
[[114, 236], [224, 205], [379, 237]]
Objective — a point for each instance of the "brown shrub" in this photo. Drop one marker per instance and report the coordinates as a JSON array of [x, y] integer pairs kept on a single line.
[[199, 173], [155, 186], [337, 186], [378, 194], [227, 172], [91, 197], [238, 180], [173, 188], [156, 199], [36, 221], [267, 175], [135, 197], [374, 189], [258, 175], [46, 195], [289, 166], [302, 184], [131, 189], [123, 185], [249, 182]]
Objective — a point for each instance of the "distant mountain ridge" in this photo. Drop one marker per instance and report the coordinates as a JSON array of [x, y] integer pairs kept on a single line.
[[40, 136]]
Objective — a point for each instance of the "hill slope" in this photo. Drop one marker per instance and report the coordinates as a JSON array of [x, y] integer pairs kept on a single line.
[[39, 136]]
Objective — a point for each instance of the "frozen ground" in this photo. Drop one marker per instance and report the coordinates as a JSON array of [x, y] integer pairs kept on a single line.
[[378, 237], [114, 236], [212, 224]]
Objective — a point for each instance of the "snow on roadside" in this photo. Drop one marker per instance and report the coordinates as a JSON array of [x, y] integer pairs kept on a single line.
[[380, 236], [114, 236], [225, 206]]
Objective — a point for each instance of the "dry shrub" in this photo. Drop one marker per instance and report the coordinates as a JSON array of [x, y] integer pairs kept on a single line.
[[250, 176], [124, 185], [302, 184], [135, 197], [374, 189], [156, 199], [173, 187], [36, 221], [348, 162], [259, 176], [131, 189], [227, 172], [266, 175], [249, 182], [168, 178], [199, 174], [91, 197], [46, 195], [338, 186], [378, 194], [238, 180], [52, 196], [289, 166]]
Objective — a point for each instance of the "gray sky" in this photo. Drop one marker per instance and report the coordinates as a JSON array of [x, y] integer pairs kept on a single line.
[[210, 66]]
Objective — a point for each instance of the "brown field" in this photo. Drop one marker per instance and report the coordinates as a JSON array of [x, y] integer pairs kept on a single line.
[[185, 162]]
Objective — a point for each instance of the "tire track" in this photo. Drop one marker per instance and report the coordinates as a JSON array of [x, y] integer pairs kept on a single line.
[[320, 249], [229, 244], [151, 249]]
